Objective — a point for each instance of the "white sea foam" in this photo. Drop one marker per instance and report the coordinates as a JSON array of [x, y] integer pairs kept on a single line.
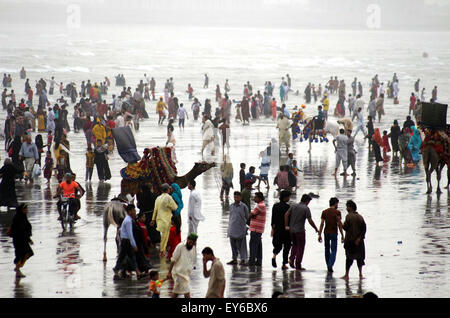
[[67, 69], [8, 70], [58, 35], [86, 53], [340, 61]]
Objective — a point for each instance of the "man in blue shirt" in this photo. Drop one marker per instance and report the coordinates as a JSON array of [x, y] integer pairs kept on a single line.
[[251, 174], [237, 229], [320, 114], [128, 246], [29, 154]]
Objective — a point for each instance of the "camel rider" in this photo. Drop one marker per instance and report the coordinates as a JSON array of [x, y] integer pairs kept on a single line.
[[72, 190], [320, 115]]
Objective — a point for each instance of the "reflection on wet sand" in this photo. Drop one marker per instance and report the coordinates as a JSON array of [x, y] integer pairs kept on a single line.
[[354, 290], [391, 199], [330, 286], [21, 289]]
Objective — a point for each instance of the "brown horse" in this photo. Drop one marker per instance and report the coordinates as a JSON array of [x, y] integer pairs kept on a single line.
[[432, 161]]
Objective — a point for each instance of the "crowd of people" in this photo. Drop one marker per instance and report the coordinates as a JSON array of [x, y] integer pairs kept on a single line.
[[158, 224]]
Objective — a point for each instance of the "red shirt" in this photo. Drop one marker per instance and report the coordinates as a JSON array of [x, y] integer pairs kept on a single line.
[[111, 124], [412, 101], [144, 233]]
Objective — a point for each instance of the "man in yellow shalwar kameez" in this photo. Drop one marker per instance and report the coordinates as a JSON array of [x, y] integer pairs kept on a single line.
[[164, 205], [284, 133]]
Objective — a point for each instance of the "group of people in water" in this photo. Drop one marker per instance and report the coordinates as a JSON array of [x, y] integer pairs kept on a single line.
[[96, 117]]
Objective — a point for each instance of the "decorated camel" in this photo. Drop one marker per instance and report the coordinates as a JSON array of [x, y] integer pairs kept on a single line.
[[154, 169], [435, 155]]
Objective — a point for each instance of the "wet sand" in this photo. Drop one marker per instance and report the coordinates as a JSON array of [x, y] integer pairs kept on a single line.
[[391, 199], [406, 242]]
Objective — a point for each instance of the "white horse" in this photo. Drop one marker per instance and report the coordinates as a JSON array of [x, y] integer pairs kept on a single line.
[[113, 214], [330, 127]]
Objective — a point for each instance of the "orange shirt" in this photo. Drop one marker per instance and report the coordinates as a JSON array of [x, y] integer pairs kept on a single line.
[[69, 189]]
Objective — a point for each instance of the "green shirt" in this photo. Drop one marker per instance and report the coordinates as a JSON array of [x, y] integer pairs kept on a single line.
[[246, 197]]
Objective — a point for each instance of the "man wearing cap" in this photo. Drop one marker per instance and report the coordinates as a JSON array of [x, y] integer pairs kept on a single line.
[[164, 205], [294, 221], [72, 190], [181, 265]]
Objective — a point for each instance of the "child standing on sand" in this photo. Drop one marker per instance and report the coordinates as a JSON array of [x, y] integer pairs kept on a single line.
[[48, 166], [90, 156], [155, 284]]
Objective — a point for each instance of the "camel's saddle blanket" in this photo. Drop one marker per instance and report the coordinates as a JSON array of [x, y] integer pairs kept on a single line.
[[156, 164], [439, 140], [126, 145]]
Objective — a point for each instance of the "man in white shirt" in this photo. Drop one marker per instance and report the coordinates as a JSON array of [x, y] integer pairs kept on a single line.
[[381, 90], [396, 89], [207, 134], [194, 208], [147, 79], [371, 108], [340, 145], [114, 103], [360, 124], [351, 103], [181, 265], [182, 114], [358, 104], [120, 121], [52, 85]]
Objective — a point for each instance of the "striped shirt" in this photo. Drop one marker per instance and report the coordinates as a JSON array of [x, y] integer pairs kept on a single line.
[[257, 223]]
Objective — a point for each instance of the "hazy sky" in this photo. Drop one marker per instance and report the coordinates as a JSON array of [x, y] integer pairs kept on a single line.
[[353, 14]]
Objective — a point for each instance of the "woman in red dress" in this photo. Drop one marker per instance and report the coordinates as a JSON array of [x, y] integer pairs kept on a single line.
[[385, 145], [174, 236]]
